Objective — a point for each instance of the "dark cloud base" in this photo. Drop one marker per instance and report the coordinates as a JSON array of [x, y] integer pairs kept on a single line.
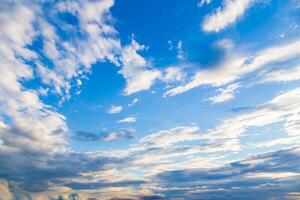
[[246, 179]]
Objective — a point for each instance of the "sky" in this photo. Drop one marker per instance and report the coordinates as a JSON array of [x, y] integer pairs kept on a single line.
[[136, 99]]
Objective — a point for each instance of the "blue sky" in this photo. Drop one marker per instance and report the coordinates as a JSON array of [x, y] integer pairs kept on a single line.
[[132, 99]]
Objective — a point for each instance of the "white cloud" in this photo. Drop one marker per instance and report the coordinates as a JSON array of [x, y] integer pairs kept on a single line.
[[284, 108], [223, 17], [180, 53], [173, 74], [221, 75], [115, 109], [272, 175], [224, 94], [136, 70], [171, 136], [235, 66], [134, 101], [278, 141], [272, 54], [73, 58], [127, 120], [35, 127], [203, 2], [281, 75]]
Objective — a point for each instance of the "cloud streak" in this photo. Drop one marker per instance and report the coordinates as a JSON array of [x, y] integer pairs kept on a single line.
[[223, 17]]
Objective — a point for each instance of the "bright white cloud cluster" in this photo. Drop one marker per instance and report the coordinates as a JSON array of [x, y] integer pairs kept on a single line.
[[35, 127]]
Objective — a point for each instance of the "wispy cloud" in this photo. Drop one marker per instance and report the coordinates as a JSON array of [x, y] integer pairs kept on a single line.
[[224, 94], [232, 10], [134, 101], [127, 120], [236, 66]]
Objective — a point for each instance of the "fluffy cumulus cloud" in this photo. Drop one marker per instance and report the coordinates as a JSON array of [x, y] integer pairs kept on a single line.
[[231, 11]]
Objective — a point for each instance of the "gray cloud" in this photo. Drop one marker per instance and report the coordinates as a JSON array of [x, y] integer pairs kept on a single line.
[[265, 176], [89, 136]]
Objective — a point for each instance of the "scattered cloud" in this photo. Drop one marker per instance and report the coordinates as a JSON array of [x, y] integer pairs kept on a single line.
[[50, 55], [180, 53], [115, 109], [136, 70], [134, 101], [203, 2], [127, 120]]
